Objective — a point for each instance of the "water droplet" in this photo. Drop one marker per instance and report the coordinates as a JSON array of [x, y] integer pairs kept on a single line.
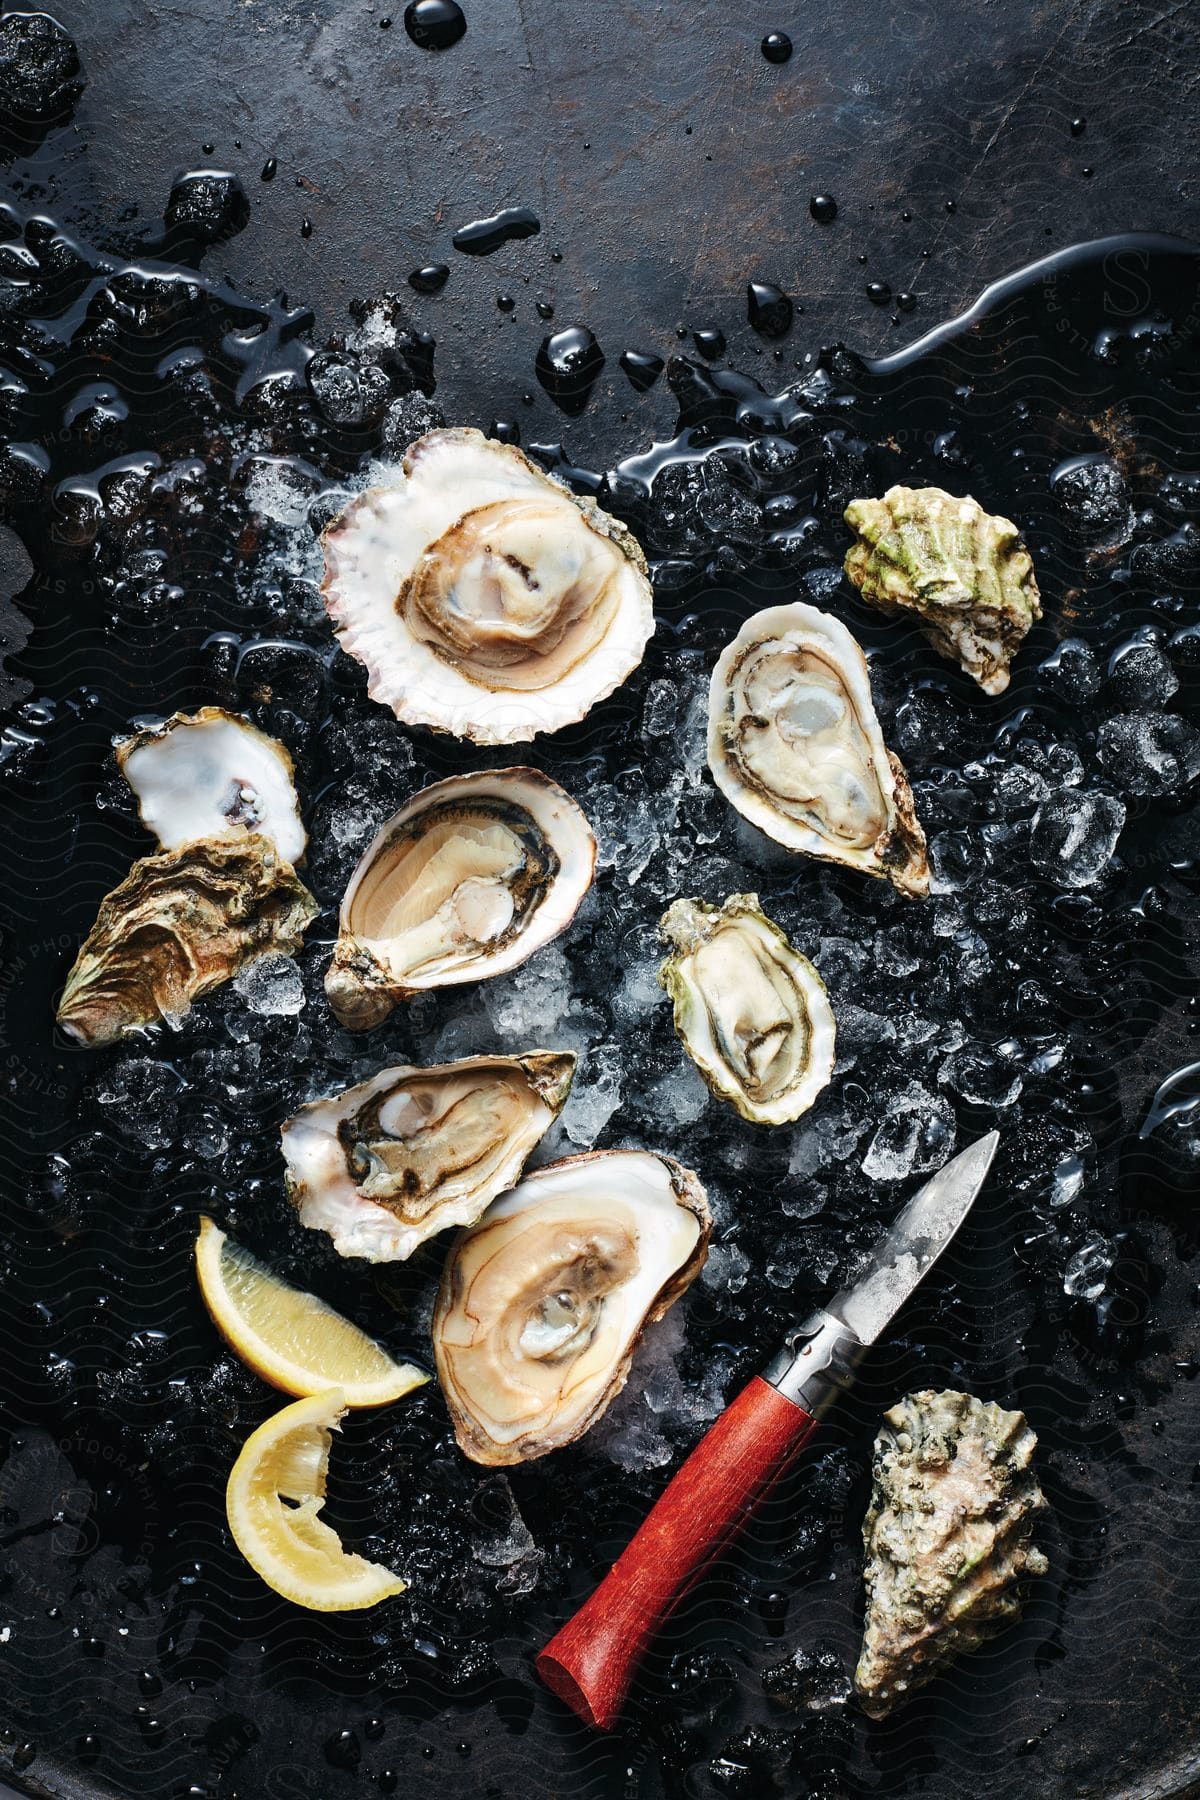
[[1089, 171], [505, 431], [545, 310], [642, 369], [434, 24], [709, 342], [768, 309], [430, 278], [567, 366], [1078, 127], [777, 46], [878, 293], [306, 228], [268, 169], [482, 236], [823, 208], [505, 302], [906, 301]]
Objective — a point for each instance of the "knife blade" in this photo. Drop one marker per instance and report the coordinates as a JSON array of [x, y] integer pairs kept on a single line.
[[590, 1663]]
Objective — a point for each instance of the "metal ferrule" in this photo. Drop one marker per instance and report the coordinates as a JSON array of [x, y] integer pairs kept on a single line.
[[818, 1361]]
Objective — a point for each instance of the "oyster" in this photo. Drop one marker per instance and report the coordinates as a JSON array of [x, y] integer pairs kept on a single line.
[[544, 1299], [794, 744], [965, 573], [947, 1538], [210, 775], [396, 1159], [467, 880], [752, 1013], [179, 924], [484, 597]]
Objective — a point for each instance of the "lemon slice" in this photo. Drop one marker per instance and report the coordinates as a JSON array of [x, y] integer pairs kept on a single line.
[[276, 1491], [292, 1339]]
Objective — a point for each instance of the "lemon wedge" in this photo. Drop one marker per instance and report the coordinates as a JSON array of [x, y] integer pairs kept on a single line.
[[276, 1491], [293, 1340]]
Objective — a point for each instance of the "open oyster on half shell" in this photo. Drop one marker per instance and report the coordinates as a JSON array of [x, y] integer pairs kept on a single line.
[[212, 774], [483, 596], [964, 574], [947, 1538], [751, 1012], [389, 1163], [178, 925], [543, 1301], [466, 881], [794, 743]]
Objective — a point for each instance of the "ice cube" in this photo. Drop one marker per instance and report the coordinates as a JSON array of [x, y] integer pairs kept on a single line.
[[1086, 1274], [1074, 836], [1149, 753], [143, 1095], [271, 984], [915, 1134]]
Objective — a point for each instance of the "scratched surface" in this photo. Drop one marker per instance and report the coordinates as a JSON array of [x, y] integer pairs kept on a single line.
[[669, 162]]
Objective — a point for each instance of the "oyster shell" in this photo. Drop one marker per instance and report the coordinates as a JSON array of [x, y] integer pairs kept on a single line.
[[794, 744], [467, 880], [947, 1538], [179, 924], [212, 774], [751, 1012], [484, 597], [396, 1159], [965, 573], [543, 1301]]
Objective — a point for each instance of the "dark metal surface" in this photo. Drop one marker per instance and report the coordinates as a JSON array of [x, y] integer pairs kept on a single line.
[[669, 164], [668, 161]]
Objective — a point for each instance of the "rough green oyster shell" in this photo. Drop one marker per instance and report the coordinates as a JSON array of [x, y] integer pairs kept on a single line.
[[179, 924], [947, 1538], [964, 572], [750, 1010]]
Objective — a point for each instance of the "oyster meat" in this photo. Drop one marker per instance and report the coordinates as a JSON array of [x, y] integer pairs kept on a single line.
[[794, 744], [396, 1159], [543, 1301], [467, 880], [210, 775], [483, 596], [964, 573], [179, 924], [751, 1012], [947, 1538]]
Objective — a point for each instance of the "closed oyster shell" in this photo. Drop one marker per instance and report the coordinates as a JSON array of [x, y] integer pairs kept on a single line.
[[964, 573], [211, 774], [466, 881], [794, 743], [484, 597], [751, 1012], [947, 1538], [543, 1301], [389, 1163], [179, 924]]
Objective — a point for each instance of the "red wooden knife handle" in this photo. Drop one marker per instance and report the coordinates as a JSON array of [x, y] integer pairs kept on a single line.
[[591, 1662]]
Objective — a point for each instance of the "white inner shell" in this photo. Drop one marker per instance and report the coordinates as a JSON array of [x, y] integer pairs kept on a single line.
[[794, 742], [328, 1196], [549, 1292], [215, 777], [430, 905], [506, 580]]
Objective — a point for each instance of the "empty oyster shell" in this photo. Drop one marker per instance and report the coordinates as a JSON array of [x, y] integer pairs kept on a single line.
[[544, 1299], [484, 597], [467, 880], [965, 574], [947, 1538], [794, 744], [179, 924], [212, 774], [396, 1159], [751, 1012]]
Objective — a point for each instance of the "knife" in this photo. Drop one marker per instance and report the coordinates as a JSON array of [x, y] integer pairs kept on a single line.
[[591, 1662]]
